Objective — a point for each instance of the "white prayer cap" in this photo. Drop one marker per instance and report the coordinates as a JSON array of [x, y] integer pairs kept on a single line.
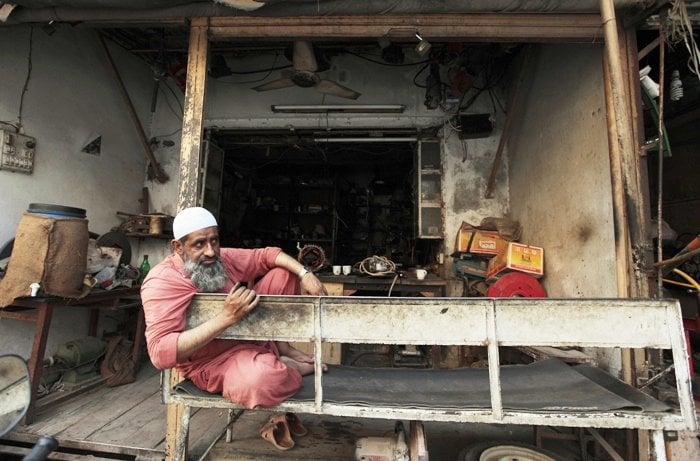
[[190, 220]]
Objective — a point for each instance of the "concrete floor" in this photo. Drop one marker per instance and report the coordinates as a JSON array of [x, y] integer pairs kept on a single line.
[[333, 439]]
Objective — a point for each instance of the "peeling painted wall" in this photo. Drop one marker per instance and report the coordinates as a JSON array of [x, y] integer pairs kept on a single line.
[[560, 185], [70, 95], [467, 164]]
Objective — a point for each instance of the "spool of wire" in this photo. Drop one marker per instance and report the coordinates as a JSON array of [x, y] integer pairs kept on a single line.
[[377, 266], [311, 256]]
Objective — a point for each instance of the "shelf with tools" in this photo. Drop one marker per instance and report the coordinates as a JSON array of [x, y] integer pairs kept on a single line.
[[351, 199], [291, 212], [429, 203]]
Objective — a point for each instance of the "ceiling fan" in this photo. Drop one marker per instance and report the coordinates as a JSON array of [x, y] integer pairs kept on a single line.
[[305, 76]]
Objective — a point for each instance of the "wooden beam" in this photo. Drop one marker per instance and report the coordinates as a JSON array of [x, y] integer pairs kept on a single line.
[[512, 109], [619, 129], [192, 123], [193, 118], [464, 27], [647, 49]]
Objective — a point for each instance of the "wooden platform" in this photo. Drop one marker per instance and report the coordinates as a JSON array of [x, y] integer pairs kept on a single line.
[[128, 422]]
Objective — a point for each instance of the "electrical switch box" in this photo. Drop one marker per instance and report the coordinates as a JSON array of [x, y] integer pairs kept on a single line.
[[16, 152]]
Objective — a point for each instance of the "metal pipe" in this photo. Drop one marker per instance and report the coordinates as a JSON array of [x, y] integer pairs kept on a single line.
[[660, 161], [512, 109], [159, 175]]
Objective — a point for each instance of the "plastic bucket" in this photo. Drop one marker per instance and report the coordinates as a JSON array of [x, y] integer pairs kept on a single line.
[[56, 211]]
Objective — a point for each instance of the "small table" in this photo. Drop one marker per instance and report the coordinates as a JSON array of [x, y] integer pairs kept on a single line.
[[40, 311], [347, 285]]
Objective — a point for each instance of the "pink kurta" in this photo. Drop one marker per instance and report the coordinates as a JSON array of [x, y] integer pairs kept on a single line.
[[246, 372]]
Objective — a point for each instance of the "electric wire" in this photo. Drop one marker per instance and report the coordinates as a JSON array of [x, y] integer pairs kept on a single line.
[[259, 71], [269, 72], [168, 134], [660, 160], [13, 125], [378, 266], [418, 72], [369, 266], [381, 63], [257, 167], [26, 81], [681, 29], [177, 98]]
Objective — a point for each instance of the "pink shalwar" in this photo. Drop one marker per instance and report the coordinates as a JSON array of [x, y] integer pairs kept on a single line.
[[246, 372]]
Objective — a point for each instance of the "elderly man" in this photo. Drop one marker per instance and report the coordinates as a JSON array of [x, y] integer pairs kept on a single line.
[[251, 373]]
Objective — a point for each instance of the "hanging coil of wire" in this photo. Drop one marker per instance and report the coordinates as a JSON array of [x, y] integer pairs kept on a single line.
[[377, 266], [311, 256]]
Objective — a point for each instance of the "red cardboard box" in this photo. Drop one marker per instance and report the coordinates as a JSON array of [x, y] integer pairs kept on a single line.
[[516, 257]]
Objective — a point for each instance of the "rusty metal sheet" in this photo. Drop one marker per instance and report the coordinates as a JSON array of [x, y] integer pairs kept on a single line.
[[589, 323], [423, 321], [284, 318]]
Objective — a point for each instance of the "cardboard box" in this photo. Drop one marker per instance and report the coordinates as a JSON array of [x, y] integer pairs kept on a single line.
[[480, 242], [517, 257]]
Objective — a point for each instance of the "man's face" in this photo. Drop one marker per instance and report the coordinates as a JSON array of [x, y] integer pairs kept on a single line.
[[200, 254], [201, 247]]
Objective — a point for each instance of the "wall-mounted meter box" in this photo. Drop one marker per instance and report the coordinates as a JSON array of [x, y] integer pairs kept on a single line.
[[16, 152]]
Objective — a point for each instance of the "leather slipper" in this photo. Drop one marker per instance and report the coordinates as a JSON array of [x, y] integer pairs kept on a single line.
[[296, 427], [277, 433]]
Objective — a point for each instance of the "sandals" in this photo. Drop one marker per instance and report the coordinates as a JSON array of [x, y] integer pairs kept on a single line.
[[278, 430], [295, 425]]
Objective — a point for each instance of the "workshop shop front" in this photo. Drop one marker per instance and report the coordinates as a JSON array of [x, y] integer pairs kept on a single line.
[[372, 138], [394, 167]]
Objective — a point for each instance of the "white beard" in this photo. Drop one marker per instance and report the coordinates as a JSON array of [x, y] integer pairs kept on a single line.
[[207, 278]]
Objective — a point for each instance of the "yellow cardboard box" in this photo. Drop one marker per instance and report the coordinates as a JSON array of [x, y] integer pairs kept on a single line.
[[516, 257], [479, 242]]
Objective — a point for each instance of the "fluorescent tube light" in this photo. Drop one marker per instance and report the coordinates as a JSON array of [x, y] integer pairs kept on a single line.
[[395, 139], [339, 108]]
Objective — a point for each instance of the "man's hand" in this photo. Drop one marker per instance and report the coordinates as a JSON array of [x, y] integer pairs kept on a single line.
[[239, 303], [311, 285]]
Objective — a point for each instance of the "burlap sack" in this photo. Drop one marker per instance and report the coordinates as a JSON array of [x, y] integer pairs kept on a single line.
[[52, 252]]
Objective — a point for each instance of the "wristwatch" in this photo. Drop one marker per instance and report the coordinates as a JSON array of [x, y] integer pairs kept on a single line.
[[304, 270]]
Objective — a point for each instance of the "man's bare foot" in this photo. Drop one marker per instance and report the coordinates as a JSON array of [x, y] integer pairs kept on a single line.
[[304, 368]]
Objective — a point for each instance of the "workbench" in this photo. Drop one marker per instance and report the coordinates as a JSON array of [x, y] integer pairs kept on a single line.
[[348, 285], [39, 310]]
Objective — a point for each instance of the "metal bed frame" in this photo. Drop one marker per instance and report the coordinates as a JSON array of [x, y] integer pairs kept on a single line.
[[490, 322]]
